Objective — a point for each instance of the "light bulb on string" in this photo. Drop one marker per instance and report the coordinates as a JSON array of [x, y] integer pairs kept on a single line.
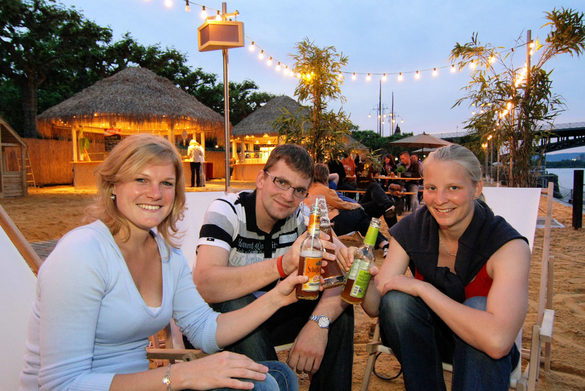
[[369, 77], [384, 77], [187, 7], [417, 75], [203, 12], [435, 72], [277, 68], [252, 47], [269, 61], [168, 3], [354, 77], [453, 69], [340, 76], [218, 16], [400, 76], [261, 55]]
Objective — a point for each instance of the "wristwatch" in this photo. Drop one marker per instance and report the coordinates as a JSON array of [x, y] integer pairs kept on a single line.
[[322, 320]]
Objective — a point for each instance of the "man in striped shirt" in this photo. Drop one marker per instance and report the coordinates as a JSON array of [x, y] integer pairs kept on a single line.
[[249, 241]]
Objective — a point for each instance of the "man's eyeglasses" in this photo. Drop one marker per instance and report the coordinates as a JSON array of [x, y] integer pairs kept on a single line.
[[282, 184]]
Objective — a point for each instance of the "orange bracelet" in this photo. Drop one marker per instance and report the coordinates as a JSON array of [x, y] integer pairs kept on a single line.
[[279, 267]]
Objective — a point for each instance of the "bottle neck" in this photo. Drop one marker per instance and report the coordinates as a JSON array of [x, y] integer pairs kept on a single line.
[[371, 235]]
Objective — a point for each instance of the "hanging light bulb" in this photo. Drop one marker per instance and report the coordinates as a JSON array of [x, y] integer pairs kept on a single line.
[[203, 12], [168, 3], [354, 77], [187, 7], [492, 59], [369, 77], [384, 77], [472, 65], [277, 67], [369, 115], [400, 76], [435, 72], [453, 69], [299, 76], [269, 61], [417, 75], [285, 70], [252, 47], [261, 55], [218, 16]]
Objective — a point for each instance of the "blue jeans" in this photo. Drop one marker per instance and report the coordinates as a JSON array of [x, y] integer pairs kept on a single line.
[[335, 372], [279, 378], [422, 341]]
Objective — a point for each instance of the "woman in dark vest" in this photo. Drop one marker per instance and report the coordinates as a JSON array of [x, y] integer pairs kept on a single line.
[[466, 296]]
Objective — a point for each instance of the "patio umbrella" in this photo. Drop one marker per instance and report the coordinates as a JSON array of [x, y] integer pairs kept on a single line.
[[421, 141]]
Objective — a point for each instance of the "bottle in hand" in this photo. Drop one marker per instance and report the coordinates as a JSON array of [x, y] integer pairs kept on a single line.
[[358, 277], [332, 274], [310, 259]]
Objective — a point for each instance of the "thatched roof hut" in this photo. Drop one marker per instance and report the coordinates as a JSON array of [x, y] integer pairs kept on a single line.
[[134, 100], [13, 178], [260, 122]]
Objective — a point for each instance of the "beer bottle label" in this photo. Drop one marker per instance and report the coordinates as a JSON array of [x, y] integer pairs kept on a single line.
[[361, 275], [313, 271]]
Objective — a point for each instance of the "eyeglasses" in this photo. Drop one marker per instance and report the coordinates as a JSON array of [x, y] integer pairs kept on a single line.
[[282, 184]]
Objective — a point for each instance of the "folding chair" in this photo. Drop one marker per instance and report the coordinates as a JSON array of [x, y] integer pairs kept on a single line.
[[17, 290], [519, 206]]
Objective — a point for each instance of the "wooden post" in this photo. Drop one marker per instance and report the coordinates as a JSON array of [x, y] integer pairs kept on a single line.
[[577, 199]]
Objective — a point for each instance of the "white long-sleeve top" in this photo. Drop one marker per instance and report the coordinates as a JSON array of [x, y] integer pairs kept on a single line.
[[89, 322]]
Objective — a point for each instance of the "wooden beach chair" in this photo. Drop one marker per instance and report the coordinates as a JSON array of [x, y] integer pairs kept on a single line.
[[17, 290], [519, 206]]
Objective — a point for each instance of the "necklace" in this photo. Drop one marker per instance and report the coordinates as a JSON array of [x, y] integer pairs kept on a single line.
[[441, 243]]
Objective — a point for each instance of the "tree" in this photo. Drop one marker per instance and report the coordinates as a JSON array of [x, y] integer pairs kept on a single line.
[[320, 81], [513, 104], [41, 41]]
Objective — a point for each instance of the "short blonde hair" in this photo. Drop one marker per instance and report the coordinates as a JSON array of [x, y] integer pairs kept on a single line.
[[127, 158]]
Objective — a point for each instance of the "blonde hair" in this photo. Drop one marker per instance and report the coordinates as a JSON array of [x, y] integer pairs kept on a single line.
[[129, 157], [460, 155]]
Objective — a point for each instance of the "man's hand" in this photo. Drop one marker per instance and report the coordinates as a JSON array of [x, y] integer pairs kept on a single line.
[[308, 349]]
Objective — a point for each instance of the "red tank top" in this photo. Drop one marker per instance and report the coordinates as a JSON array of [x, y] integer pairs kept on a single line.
[[479, 286]]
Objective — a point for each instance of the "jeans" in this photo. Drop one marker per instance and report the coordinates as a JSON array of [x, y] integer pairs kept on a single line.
[[421, 341], [335, 372], [279, 378], [195, 170]]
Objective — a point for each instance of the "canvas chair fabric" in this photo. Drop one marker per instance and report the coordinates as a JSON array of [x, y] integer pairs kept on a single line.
[[519, 206]]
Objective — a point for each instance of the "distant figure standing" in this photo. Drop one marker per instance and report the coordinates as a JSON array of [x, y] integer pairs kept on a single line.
[[195, 155]]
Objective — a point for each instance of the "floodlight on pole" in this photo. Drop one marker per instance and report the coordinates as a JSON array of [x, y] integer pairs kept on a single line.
[[220, 32]]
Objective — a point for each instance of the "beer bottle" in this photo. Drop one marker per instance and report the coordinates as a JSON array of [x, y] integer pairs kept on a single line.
[[332, 274], [310, 259], [358, 277]]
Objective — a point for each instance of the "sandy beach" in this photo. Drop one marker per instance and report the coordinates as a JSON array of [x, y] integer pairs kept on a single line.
[[46, 214]]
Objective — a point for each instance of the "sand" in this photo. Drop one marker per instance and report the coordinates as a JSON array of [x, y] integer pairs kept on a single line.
[[48, 213]]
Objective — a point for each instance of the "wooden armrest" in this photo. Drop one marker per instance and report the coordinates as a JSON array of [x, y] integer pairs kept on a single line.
[[546, 328], [174, 354]]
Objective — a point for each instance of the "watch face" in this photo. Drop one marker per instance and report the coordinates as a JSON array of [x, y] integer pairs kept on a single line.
[[323, 322]]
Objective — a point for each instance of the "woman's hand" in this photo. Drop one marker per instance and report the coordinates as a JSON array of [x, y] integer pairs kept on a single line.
[[403, 283], [285, 289], [345, 257], [220, 370]]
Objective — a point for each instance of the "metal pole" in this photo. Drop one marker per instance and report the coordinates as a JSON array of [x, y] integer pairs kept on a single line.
[[380, 109], [226, 108], [392, 119], [577, 199]]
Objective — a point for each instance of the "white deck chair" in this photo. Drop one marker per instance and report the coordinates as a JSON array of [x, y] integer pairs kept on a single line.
[[519, 206], [17, 292]]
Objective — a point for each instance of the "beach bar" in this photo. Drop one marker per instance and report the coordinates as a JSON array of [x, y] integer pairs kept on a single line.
[[255, 136], [134, 100]]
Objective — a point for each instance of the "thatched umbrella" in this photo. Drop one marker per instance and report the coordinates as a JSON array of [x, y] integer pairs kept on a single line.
[[134, 100]]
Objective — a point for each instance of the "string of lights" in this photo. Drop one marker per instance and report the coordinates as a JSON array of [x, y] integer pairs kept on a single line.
[[288, 70]]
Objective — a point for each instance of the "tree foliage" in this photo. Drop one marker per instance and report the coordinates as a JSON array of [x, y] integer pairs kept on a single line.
[[514, 104], [320, 82]]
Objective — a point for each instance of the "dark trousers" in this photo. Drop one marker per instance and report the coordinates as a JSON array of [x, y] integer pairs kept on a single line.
[[376, 202], [351, 220], [195, 169], [422, 341], [335, 372]]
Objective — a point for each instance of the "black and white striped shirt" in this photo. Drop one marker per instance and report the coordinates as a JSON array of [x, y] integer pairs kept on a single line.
[[230, 223]]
